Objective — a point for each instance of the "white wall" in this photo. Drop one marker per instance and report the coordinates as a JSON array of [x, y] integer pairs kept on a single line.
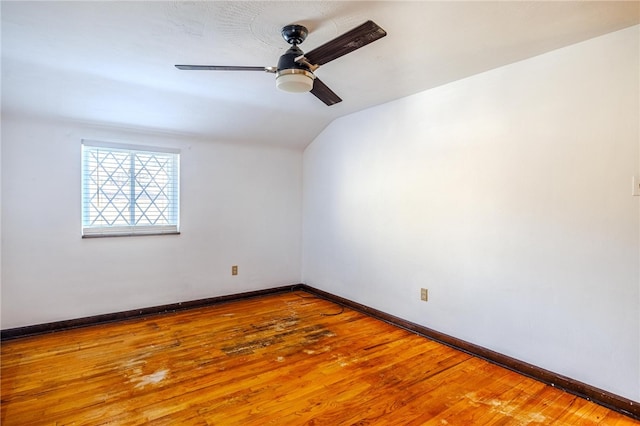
[[240, 205], [508, 196]]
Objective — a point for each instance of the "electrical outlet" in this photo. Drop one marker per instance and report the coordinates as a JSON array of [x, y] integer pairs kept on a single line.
[[234, 270], [424, 294]]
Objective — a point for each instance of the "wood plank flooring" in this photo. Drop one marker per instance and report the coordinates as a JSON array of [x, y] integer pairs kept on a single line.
[[288, 359]]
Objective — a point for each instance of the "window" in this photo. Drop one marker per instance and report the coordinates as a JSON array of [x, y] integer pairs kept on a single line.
[[129, 190]]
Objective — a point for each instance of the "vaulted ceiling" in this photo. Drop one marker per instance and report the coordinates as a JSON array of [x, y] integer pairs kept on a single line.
[[112, 63]]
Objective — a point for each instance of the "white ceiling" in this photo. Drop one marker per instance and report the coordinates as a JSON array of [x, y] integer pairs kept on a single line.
[[111, 63]]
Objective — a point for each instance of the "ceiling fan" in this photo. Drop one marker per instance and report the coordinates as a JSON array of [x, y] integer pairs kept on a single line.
[[295, 70]]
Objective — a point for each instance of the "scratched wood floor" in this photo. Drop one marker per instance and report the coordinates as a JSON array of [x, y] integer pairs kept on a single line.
[[289, 359]]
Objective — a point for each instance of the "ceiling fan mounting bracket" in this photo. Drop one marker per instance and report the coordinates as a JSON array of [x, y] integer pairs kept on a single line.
[[294, 34], [302, 60]]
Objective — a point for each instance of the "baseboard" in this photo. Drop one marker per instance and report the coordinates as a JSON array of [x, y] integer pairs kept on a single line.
[[583, 390], [615, 402], [52, 327]]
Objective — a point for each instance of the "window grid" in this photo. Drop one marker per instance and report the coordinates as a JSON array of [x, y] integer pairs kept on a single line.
[[128, 192]]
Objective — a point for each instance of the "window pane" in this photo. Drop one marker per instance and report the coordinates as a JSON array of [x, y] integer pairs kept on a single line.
[[129, 191]]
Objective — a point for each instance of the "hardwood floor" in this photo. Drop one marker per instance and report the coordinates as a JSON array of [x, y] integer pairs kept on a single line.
[[288, 359]]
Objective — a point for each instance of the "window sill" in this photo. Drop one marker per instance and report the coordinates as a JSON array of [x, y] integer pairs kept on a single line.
[[151, 234]]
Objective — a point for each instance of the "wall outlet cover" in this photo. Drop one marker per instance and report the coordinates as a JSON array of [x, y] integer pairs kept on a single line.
[[424, 294]]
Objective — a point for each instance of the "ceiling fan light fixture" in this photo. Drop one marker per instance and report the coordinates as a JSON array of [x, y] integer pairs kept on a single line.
[[295, 80]]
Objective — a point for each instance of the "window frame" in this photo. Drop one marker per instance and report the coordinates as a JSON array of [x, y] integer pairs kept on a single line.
[[88, 231]]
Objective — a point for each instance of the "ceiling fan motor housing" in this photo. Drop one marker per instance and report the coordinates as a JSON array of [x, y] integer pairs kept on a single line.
[[293, 76], [288, 60]]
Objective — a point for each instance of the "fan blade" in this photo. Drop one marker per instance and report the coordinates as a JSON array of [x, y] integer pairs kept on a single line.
[[348, 42], [322, 92], [223, 68]]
